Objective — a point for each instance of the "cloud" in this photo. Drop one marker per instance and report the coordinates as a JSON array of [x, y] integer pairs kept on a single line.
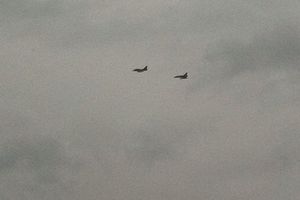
[[263, 68], [278, 49], [151, 145], [34, 168], [17, 10], [76, 123], [33, 161], [43, 156]]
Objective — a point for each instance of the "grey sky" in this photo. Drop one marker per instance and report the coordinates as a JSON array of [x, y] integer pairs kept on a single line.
[[77, 123]]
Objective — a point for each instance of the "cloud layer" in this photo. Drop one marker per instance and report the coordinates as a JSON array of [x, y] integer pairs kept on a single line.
[[76, 123]]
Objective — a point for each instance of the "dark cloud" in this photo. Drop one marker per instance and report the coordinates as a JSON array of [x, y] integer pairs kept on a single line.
[[275, 50], [43, 156], [151, 146], [269, 59], [33, 162], [35, 168]]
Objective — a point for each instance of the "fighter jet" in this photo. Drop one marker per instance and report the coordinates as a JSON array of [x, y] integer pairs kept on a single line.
[[184, 76], [141, 70]]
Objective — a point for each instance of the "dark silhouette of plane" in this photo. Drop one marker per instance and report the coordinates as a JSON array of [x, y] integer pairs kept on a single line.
[[141, 70], [184, 76]]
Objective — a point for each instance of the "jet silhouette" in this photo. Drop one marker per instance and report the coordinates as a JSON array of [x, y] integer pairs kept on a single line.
[[184, 76], [141, 70]]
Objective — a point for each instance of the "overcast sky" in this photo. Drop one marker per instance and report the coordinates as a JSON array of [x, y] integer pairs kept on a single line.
[[77, 124]]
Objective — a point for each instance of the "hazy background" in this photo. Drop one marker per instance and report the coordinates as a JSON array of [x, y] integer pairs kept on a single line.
[[77, 124]]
